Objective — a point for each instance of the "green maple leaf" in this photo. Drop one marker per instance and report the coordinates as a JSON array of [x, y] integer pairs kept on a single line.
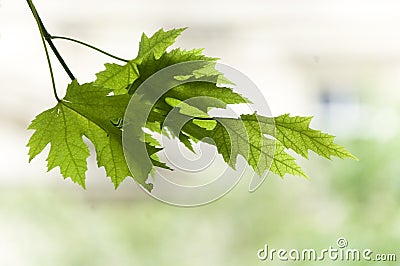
[[86, 110], [157, 44], [68, 151], [96, 111], [244, 136]]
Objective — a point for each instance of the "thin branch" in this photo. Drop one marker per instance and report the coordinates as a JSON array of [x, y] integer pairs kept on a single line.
[[45, 34], [38, 21]]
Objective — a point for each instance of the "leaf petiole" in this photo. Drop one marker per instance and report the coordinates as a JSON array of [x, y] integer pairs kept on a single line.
[[43, 32], [90, 46]]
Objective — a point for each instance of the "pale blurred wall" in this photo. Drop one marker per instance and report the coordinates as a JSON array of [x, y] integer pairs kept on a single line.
[[293, 50]]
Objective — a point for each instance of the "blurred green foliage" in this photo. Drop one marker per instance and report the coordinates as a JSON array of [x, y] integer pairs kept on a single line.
[[355, 200]]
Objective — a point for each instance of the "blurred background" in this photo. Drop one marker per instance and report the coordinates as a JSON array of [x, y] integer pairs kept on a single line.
[[336, 60]]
